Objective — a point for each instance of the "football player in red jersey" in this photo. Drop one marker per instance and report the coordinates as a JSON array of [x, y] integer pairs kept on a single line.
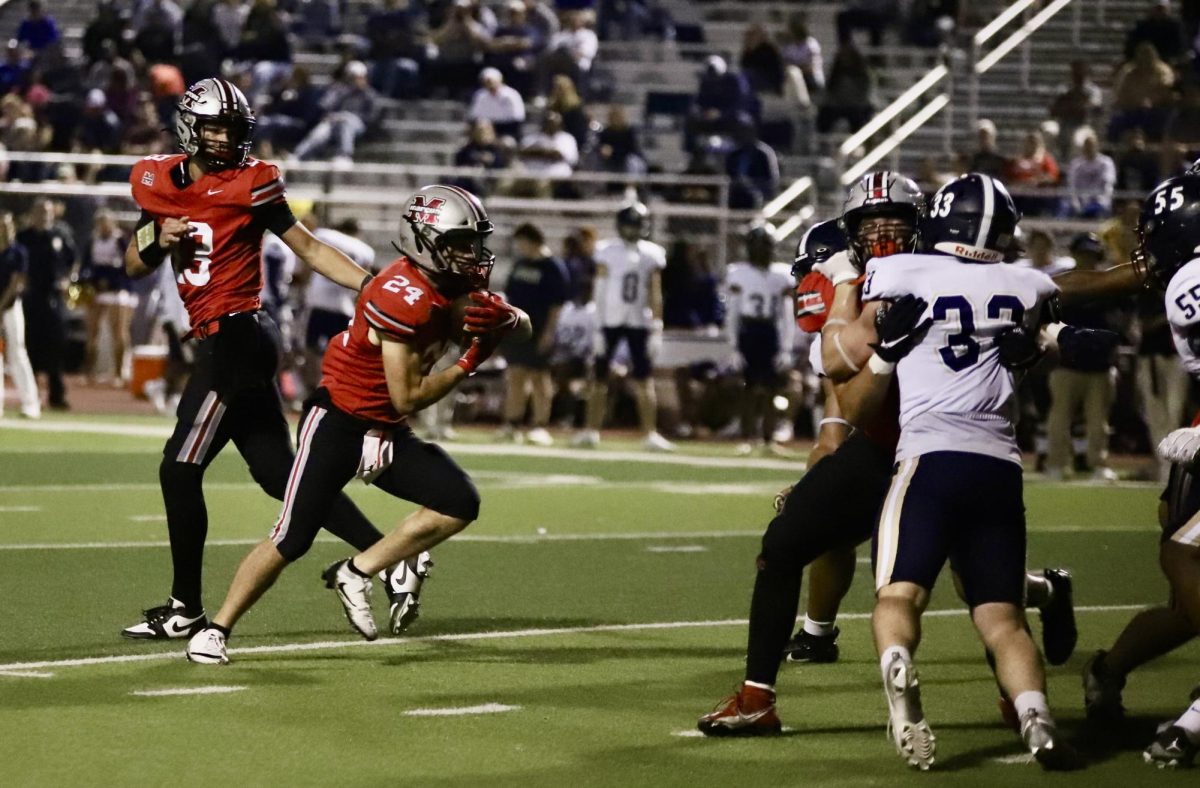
[[376, 374], [207, 209]]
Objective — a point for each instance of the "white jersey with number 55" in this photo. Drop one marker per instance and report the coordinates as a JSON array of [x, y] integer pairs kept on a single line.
[[955, 395], [1183, 313], [623, 295]]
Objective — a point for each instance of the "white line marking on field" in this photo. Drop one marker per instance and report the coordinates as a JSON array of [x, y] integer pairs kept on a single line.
[[106, 487], [216, 690], [683, 548], [461, 711], [479, 449], [704, 488], [27, 674], [487, 538], [13, 509], [1021, 759], [326, 645], [148, 518]]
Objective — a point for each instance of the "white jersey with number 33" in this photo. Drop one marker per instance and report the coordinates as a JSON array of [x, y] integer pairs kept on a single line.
[[1183, 313], [625, 300], [955, 395]]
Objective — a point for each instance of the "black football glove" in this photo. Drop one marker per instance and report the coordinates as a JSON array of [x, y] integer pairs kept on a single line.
[[898, 328], [1019, 349], [1087, 348]]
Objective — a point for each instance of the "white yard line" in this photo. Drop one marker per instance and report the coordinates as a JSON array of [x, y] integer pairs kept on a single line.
[[479, 449], [683, 548], [27, 674], [461, 711], [17, 509], [327, 645], [161, 693]]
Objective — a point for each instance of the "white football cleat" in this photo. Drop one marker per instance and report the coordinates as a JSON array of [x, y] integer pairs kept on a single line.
[[207, 647], [1047, 747], [354, 592], [914, 741], [403, 586], [167, 622], [656, 442], [586, 439], [540, 436]]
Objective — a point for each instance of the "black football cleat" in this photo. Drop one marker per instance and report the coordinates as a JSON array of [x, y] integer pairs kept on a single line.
[[1171, 750], [806, 647], [1059, 633], [167, 622]]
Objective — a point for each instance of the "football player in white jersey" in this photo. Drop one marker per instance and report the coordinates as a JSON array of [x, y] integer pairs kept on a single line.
[[957, 490], [1169, 229], [760, 306], [628, 298]]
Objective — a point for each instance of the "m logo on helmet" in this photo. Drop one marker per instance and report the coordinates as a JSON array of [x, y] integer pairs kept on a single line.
[[424, 210]]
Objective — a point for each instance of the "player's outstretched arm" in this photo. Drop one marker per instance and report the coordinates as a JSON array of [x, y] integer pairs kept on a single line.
[[325, 259], [1077, 286], [408, 389]]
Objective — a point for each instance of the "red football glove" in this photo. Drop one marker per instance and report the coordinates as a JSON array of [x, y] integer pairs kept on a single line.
[[491, 315], [479, 351]]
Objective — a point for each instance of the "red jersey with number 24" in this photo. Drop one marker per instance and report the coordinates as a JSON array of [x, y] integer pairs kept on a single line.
[[399, 304], [226, 274]]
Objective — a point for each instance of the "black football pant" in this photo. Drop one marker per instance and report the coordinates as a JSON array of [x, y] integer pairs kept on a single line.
[[45, 340], [232, 396], [834, 506]]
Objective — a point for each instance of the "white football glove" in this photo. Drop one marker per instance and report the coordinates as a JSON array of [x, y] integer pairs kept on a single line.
[[1181, 446], [838, 268], [376, 455]]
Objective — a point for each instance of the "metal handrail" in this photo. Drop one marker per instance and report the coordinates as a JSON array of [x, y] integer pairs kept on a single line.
[[1007, 45], [893, 141], [898, 105], [988, 31]]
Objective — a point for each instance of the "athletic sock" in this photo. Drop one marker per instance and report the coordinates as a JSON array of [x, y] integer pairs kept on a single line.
[[1032, 701], [356, 570], [764, 687], [818, 629], [226, 631], [890, 653], [1190, 722], [1038, 590]]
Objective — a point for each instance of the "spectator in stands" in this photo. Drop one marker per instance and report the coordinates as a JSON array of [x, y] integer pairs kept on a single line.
[[266, 45], [145, 135], [986, 158], [722, 96], [293, 110], [166, 85], [350, 107], [931, 23], [52, 261], [874, 16], [617, 145], [1137, 168], [1141, 94], [549, 153], [539, 284], [544, 19], [107, 61], [1077, 106], [158, 29], [514, 48], [14, 68], [14, 268], [1091, 178], [802, 50], [1034, 169], [460, 41], [38, 29], [1086, 386], [481, 150], [316, 22], [706, 159], [564, 99], [1162, 29], [571, 50], [849, 90], [1119, 233], [99, 130], [762, 61], [752, 166], [497, 103], [1183, 122], [114, 300], [1041, 254], [19, 131], [398, 54], [107, 26], [228, 21]]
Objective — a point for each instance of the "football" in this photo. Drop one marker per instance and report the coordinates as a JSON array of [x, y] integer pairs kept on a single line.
[[458, 312]]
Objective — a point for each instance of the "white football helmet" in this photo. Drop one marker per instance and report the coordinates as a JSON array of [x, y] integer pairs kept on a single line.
[[443, 232], [215, 101]]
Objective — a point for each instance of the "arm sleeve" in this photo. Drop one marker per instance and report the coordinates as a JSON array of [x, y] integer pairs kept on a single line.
[[275, 216]]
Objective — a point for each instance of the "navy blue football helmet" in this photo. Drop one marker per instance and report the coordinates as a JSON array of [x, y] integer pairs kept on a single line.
[[973, 218], [820, 242], [1169, 227], [633, 221]]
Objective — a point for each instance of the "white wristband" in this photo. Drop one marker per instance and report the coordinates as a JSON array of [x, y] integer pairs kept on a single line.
[[879, 366], [1052, 330], [844, 277], [833, 420]]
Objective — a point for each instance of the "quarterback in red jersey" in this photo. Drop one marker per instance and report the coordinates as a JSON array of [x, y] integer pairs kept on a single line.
[[375, 374], [207, 209]]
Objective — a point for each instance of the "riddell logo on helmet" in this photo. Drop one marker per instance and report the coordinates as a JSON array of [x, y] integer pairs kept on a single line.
[[972, 253], [422, 211]]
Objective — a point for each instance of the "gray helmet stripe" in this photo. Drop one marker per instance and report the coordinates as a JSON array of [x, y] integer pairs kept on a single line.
[[989, 208]]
